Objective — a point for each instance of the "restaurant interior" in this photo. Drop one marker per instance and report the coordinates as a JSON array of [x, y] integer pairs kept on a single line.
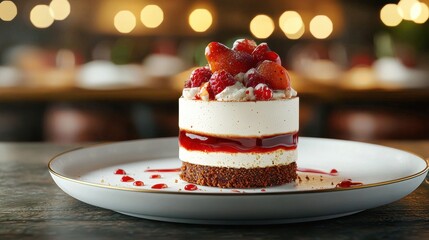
[[109, 70]]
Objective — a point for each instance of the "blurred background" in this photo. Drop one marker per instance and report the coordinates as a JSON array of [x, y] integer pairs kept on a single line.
[[110, 70]]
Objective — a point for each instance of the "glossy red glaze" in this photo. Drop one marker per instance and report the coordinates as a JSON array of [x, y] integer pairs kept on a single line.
[[191, 187], [138, 183], [155, 176], [348, 183], [120, 172], [159, 186], [127, 179], [333, 172], [198, 142]]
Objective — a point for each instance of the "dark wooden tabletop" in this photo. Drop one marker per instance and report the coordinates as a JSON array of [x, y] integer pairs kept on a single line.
[[33, 207]]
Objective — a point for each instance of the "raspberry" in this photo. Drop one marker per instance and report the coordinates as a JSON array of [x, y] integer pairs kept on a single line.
[[253, 78], [263, 92], [199, 76], [188, 83], [262, 52], [220, 80], [244, 45]]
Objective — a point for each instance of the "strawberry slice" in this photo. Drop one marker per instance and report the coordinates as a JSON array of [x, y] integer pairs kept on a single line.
[[244, 45], [274, 74], [221, 57], [263, 52]]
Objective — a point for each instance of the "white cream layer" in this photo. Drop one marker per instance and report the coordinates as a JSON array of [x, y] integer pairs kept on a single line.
[[244, 119], [238, 160]]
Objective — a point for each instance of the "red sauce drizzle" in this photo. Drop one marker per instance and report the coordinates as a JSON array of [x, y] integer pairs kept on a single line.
[[127, 179], [348, 183], [120, 172], [155, 176], [159, 186], [163, 170], [333, 172], [191, 187], [138, 183], [263, 190], [192, 141]]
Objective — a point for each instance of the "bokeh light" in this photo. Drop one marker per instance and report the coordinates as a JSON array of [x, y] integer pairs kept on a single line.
[[152, 16], [200, 20], [124, 21], [389, 15], [296, 35], [290, 22], [321, 26], [404, 8], [41, 17], [8, 10], [262, 26], [60, 9], [421, 14]]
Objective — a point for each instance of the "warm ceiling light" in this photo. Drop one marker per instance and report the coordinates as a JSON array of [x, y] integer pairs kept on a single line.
[[321, 26], [405, 7], [389, 15], [423, 13], [262, 26], [152, 16], [40, 16], [290, 22], [60, 9], [200, 20], [8, 10], [125, 21]]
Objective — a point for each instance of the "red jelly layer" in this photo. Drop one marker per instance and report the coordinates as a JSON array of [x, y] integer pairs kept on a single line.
[[206, 143]]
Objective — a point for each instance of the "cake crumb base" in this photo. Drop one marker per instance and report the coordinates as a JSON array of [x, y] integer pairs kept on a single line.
[[238, 177]]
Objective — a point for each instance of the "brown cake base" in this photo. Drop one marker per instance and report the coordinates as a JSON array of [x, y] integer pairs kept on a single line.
[[238, 177]]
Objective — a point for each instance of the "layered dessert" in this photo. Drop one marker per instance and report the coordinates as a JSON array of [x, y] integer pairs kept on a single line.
[[238, 119]]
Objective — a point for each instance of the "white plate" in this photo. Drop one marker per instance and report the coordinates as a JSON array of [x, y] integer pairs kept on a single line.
[[387, 175]]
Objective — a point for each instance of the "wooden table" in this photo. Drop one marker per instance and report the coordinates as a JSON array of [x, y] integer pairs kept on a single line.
[[33, 207]]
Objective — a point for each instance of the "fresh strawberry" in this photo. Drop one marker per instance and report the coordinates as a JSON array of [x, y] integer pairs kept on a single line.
[[244, 45], [263, 92], [262, 52], [221, 57], [198, 77], [275, 75], [252, 78], [220, 80]]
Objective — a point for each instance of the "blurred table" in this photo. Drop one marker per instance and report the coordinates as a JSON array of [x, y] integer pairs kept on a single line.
[[53, 94], [33, 207], [307, 90]]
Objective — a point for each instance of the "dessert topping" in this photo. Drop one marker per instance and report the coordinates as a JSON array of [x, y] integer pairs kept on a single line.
[[221, 57], [199, 76], [275, 75], [233, 74], [263, 92], [220, 80], [262, 52], [244, 45]]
